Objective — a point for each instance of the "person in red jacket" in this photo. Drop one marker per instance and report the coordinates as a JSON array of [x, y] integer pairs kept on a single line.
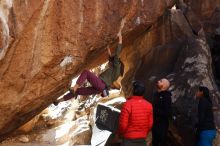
[[136, 118]]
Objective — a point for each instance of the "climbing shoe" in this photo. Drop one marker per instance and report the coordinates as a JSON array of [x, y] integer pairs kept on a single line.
[[56, 103]]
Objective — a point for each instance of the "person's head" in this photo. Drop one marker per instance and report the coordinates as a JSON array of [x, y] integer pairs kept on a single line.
[[138, 88], [110, 62], [163, 84], [111, 59], [202, 92]]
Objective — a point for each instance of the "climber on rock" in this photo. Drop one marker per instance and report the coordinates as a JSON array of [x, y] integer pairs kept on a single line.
[[101, 83]]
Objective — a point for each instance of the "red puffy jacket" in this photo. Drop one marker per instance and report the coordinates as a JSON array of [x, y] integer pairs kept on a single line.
[[136, 118]]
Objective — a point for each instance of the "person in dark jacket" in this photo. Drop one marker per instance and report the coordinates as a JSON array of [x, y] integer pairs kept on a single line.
[[161, 112], [205, 126], [136, 118], [98, 84]]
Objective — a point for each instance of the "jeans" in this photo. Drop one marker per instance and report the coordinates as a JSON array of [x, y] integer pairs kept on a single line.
[[97, 85], [159, 133], [206, 137]]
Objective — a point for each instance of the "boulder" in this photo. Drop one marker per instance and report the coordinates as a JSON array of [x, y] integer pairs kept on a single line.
[[181, 56], [45, 43], [52, 41]]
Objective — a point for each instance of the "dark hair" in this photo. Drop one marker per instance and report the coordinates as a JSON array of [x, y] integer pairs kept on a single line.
[[111, 59], [138, 88], [205, 92]]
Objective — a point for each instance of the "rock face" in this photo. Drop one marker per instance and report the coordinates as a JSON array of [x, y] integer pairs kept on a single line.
[[44, 43], [202, 13], [181, 53]]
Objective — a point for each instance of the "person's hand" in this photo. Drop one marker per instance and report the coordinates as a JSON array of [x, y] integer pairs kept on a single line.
[[119, 35], [123, 23], [119, 38], [120, 30], [109, 51]]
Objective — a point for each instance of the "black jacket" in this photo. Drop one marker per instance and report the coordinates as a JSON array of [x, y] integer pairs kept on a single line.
[[205, 115], [162, 106]]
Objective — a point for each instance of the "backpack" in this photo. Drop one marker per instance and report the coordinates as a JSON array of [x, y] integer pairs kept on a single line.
[[107, 118]]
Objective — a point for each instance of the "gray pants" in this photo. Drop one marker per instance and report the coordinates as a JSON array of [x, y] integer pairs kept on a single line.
[[134, 142]]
